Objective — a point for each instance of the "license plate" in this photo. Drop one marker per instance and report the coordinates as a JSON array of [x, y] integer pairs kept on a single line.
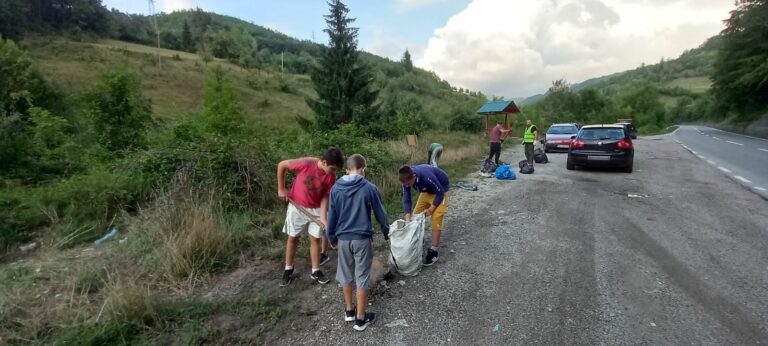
[[563, 146], [599, 158]]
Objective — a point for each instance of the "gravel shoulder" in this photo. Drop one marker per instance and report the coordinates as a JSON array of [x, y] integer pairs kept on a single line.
[[568, 257]]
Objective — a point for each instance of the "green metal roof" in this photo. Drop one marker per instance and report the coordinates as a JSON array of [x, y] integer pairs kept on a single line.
[[493, 107]]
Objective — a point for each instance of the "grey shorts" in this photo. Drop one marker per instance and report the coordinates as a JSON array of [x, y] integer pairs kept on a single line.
[[354, 262]]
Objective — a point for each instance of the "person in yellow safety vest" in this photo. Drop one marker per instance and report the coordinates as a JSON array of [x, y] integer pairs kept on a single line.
[[530, 137]]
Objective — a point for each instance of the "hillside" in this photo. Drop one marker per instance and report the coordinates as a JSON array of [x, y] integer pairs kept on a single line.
[[686, 75]]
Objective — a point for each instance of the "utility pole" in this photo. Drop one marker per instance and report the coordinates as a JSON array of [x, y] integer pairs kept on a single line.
[[153, 15]]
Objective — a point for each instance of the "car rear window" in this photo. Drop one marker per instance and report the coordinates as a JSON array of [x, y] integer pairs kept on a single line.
[[562, 130], [601, 133]]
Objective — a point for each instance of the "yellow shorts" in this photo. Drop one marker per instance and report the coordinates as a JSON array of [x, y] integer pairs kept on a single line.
[[425, 201]]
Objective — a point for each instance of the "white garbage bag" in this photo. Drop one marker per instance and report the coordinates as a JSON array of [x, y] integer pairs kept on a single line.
[[405, 241]]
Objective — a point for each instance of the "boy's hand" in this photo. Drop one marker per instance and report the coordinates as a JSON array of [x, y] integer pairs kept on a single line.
[[333, 245], [430, 211], [408, 217], [323, 223], [283, 194]]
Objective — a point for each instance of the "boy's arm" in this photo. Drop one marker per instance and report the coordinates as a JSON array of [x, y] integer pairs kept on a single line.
[[380, 212], [333, 218], [407, 203], [283, 166], [324, 211]]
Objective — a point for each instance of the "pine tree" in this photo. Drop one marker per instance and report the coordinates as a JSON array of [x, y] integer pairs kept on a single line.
[[342, 81], [186, 37], [740, 78], [407, 63]]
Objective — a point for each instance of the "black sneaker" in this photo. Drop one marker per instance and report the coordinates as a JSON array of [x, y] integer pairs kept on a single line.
[[319, 277], [431, 258], [360, 325], [287, 277], [324, 258], [349, 315]]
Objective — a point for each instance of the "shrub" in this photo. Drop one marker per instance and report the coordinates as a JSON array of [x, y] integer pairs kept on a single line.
[[119, 114]]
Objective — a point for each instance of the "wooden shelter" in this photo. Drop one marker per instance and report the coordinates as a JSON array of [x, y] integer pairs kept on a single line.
[[495, 108]]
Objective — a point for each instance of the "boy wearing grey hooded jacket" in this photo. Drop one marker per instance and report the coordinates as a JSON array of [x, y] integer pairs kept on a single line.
[[350, 231]]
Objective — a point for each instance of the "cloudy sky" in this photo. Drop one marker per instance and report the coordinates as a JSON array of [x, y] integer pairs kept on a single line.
[[508, 48]]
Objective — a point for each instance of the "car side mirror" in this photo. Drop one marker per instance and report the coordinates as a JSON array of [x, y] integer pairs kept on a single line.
[[573, 137]]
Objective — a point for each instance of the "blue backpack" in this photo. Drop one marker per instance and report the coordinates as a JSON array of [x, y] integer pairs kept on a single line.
[[505, 173]]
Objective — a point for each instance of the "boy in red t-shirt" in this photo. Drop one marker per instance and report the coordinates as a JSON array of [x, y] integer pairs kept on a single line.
[[310, 190]]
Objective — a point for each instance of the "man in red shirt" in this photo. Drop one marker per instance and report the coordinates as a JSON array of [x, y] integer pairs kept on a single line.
[[310, 191], [496, 133]]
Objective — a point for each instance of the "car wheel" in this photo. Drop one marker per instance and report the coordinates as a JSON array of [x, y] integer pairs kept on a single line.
[[628, 169], [569, 166]]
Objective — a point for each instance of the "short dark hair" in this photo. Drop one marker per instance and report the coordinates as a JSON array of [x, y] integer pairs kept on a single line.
[[334, 157], [406, 172], [355, 161]]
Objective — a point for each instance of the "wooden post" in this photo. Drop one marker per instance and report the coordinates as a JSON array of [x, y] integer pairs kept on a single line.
[[412, 142], [487, 125]]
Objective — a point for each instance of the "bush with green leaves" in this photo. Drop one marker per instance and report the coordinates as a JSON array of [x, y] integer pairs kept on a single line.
[[118, 113]]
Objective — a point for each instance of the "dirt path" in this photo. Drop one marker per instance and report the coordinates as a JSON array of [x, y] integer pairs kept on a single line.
[[566, 257]]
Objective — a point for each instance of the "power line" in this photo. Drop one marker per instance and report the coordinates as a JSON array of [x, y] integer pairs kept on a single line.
[[153, 15]]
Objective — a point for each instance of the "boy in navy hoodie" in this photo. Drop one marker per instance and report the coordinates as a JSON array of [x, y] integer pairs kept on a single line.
[[350, 231]]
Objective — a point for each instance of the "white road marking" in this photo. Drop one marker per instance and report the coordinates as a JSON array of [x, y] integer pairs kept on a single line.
[[717, 138], [765, 150], [701, 157], [760, 188], [738, 134], [694, 152], [743, 180], [735, 143], [726, 170], [711, 162]]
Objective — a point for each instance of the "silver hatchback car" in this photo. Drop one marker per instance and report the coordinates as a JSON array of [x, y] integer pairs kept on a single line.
[[558, 137]]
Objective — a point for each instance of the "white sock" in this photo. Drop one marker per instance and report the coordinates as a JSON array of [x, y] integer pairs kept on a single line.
[[434, 248], [314, 270], [287, 267]]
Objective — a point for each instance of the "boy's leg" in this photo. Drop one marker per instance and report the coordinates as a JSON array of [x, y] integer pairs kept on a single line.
[[348, 290], [345, 269], [293, 226], [437, 221], [290, 250], [314, 252], [363, 257], [437, 228], [315, 240]]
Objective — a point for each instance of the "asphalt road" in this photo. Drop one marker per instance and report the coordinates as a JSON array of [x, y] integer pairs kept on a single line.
[[674, 253], [742, 158]]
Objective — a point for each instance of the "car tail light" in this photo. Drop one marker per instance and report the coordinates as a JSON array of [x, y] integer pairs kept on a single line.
[[624, 144], [576, 144]]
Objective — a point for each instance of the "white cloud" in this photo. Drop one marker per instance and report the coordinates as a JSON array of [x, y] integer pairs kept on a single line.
[[386, 45], [516, 48], [169, 6]]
